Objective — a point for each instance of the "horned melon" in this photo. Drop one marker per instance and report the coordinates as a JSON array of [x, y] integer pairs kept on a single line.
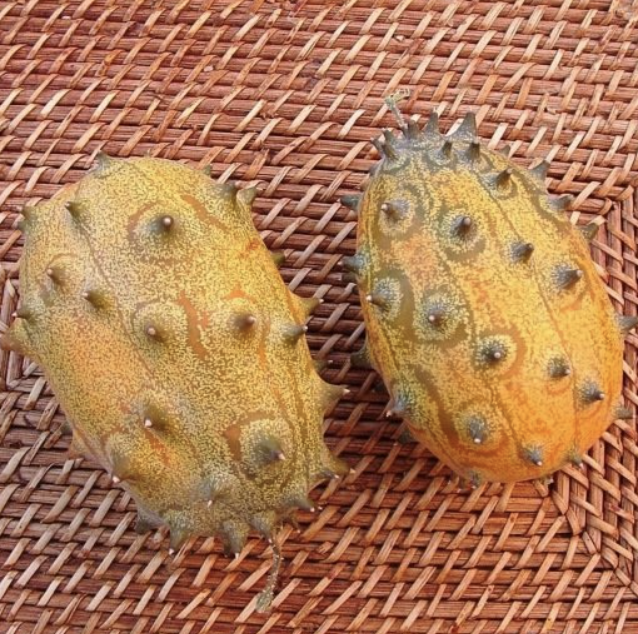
[[484, 313], [175, 349]]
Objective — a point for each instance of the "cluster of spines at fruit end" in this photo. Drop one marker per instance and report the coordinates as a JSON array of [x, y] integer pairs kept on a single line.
[[462, 146]]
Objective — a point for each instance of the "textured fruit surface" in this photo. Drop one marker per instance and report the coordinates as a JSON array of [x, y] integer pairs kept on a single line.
[[175, 349], [484, 313]]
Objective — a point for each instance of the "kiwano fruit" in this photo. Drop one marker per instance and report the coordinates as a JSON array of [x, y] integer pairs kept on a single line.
[[176, 350], [484, 313]]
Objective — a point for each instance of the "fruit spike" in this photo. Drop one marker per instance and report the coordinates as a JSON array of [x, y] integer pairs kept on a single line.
[[568, 277], [436, 316], [354, 264], [493, 353], [591, 393], [379, 298], [394, 210], [152, 332], [474, 151], [270, 450], [300, 501], [247, 196], [462, 226], [576, 459], [24, 313], [540, 171], [623, 413], [560, 203], [294, 332], [351, 202], [102, 160], [477, 430], [330, 394], [75, 208], [205, 438], [431, 129], [378, 145], [166, 223], [589, 231], [143, 524], [178, 537], [398, 407], [234, 535], [28, 212], [446, 149], [559, 368], [412, 130], [467, 129], [308, 305], [12, 342], [389, 146], [534, 455], [485, 297], [475, 480], [94, 297], [626, 323], [245, 321], [503, 178], [522, 251], [278, 258], [230, 189]]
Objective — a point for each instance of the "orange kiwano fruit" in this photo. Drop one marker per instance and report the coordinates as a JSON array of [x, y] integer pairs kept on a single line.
[[484, 313], [175, 349]]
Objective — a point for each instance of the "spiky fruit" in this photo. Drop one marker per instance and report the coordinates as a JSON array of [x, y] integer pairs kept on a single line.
[[484, 313], [175, 349]]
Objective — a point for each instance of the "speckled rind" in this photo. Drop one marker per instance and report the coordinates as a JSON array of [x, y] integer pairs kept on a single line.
[[483, 310], [174, 348]]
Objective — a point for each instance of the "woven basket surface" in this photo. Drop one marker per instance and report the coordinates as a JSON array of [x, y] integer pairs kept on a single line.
[[286, 95]]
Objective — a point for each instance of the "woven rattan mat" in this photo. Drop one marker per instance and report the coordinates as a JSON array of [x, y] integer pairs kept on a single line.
[[287, 95]]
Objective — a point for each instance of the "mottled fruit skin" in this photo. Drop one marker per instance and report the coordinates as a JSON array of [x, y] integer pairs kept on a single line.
[[175, 349], [484, 314]]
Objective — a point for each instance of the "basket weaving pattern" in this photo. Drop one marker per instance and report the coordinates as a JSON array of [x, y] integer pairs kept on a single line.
[[286, 95]]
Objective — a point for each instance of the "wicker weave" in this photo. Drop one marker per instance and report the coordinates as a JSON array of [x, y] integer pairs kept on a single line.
[[287, 94]]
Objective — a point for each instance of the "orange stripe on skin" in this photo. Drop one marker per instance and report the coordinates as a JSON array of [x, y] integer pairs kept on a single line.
[[202, 212]]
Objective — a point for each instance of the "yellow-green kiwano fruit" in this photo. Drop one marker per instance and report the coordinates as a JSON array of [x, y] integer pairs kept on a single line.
[[175, 349], [484, 313]]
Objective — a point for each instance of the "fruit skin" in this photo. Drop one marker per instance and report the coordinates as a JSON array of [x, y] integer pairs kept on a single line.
[[175, 349], [484, 313]]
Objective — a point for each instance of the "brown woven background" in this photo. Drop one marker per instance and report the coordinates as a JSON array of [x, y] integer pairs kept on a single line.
[[287, 94]]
